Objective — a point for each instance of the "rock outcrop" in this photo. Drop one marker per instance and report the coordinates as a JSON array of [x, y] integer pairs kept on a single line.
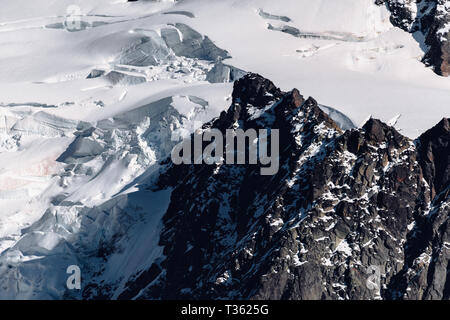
[[360, 214], [432, 19]]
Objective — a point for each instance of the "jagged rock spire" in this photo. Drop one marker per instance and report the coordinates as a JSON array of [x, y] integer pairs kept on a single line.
[[341, 204]]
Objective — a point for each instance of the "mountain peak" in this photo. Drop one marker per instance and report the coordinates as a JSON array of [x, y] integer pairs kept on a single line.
[[378, 132], [254, 89]]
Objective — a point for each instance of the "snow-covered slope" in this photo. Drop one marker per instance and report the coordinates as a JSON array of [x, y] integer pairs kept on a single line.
[[86, 115]]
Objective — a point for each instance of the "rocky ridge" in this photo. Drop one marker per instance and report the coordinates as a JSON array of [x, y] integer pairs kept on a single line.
[[342, 206]]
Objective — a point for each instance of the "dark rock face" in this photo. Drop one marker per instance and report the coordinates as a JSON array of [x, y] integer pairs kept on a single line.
[[432, 19], [342, 206], [434, 149]]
